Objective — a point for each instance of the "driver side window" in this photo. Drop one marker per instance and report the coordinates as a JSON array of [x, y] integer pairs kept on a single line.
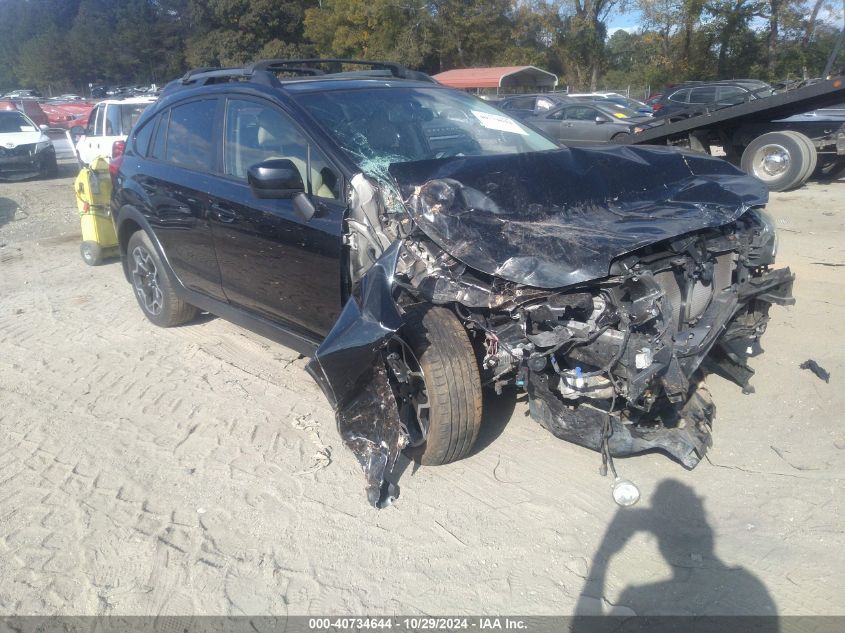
[[256, 132]]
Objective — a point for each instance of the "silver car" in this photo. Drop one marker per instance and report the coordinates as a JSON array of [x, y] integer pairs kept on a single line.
[[586, 123]]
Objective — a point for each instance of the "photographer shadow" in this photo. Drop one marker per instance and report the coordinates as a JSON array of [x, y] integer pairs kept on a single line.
[[701, 584]]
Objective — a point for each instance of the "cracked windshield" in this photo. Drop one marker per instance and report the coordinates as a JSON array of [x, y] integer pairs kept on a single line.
[[376, 127]]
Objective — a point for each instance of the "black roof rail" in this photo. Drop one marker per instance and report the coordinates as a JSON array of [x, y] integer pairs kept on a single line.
[[296, 65], [264, 71]]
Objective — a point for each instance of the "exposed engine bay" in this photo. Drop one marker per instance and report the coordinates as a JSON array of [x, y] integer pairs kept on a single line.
[[606, 302]]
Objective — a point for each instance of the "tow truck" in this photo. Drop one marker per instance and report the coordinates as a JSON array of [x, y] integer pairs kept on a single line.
[[765, 136]]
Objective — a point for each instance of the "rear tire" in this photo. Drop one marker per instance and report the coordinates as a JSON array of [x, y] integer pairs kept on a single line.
[[812, 154], [452, 382], [778, 159], [152, 285]]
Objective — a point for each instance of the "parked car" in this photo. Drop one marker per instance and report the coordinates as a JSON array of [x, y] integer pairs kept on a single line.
[[25, 149], [587, 122], [108, 125], [689, 99], [65, 115], [29, 107], [22, 94], [417, 243], [612, 97], [522, 106]]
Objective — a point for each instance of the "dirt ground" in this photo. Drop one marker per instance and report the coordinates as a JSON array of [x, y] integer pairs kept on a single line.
[[197, 470]]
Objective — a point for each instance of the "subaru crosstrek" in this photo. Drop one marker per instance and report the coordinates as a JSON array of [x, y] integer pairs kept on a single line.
[[419, 244]]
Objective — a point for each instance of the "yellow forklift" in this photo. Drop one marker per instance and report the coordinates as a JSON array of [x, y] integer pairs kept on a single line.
[[93, 193]]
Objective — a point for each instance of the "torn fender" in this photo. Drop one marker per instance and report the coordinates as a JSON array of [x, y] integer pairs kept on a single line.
[[349, 368]]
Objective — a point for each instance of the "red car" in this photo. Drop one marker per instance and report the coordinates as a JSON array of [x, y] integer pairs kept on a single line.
[[29, 107], [67, 115]]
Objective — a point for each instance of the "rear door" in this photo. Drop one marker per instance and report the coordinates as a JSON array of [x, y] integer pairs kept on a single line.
[[580, 125], [177, 178], [732, 95], [550, 124], [272, 261]]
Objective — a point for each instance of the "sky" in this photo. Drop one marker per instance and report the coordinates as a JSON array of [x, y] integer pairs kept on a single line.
[[630, 20]]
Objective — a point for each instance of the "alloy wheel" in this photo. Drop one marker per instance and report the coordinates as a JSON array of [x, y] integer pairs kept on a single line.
[[145, 281]]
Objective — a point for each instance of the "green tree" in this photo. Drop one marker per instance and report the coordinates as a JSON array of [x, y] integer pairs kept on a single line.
[[232, 32]]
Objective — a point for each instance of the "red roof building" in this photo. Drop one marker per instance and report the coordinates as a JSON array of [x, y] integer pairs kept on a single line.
[[502, 78]]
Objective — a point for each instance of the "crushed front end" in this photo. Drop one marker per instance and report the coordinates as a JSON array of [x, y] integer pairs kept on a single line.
[[617, 364], [606, 299]]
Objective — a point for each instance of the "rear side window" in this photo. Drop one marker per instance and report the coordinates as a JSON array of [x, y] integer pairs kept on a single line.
[[129, 115], [141, 138], [158, 147], [680, 96], [523, 103], [581, 113], [732, 95], [705, 94], [190, 134], [113, 120]]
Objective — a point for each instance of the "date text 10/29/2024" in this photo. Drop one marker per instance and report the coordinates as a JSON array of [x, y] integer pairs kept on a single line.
[[417, 624]]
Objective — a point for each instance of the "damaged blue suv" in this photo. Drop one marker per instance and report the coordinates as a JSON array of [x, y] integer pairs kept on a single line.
[[418, 244]]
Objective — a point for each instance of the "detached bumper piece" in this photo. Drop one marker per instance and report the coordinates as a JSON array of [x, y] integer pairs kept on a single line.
[[349, 368]]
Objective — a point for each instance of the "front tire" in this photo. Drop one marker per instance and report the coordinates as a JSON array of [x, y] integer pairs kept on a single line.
[[49, 167], [153, 288], [450, 409]]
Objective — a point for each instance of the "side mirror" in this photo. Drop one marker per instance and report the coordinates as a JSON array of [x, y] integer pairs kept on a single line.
[[43, 128], [600, 119], [275, 178]]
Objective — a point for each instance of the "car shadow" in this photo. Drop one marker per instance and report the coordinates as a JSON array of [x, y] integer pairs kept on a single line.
[[497, 412], [700, 585]]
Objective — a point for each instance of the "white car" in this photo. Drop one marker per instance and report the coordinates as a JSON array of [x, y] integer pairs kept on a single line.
[[25, 149], [109, 122]]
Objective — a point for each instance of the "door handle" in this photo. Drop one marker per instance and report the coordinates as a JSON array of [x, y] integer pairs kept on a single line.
[[223, 215]]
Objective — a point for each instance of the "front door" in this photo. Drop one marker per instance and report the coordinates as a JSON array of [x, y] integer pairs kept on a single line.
[[272, 261]]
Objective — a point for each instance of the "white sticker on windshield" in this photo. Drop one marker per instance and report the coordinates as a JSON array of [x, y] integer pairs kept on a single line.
[[27, 128], [499, 122]]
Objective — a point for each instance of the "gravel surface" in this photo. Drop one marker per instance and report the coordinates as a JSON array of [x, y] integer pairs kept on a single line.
[[198, 470]]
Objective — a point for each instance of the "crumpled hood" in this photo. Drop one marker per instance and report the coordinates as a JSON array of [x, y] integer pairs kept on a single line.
[[553, 219]]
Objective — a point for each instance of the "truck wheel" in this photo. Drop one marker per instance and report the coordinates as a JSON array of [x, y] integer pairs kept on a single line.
[[435, 377], [778, 159], [813, 154], [153, 288], [91, 253]]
